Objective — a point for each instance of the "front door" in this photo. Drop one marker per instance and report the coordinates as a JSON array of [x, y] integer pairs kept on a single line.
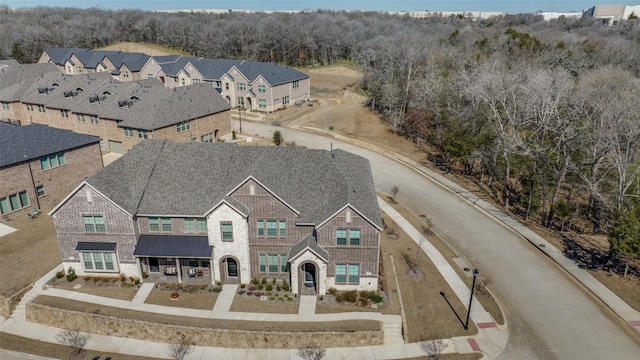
[[232, 268], [153, 265]]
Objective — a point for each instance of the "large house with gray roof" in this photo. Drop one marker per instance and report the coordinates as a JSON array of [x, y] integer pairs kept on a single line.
[[120, 113], [222, 212], [253, 86], [39, 165]]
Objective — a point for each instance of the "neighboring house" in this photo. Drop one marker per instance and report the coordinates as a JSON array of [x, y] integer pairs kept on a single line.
[[39, 165], [612, 14], [120, 113], [229, 213], [254, 86]]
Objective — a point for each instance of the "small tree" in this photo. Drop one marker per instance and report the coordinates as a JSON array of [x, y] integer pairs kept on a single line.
[[180, 349], [433, 348], [625, 234], [277, 138], [312, 352], [394, 192], [76, 340]]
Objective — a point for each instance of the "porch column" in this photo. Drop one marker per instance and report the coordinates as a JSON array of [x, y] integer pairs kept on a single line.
[[139, 267], [178, 270]]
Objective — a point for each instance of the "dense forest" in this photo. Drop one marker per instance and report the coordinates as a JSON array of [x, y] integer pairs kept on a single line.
[[544, 115]]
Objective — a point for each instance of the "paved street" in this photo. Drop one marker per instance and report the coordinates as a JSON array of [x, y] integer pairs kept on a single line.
[[550, 315]]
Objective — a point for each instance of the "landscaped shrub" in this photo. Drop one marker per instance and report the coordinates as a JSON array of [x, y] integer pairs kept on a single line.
[[278, 287], [249, 293], [364, 301], [122, 277], [375, 297], [242, 286], [273, 282], [285, 286], [241, 292], [280, 299], [59, 274], [125, 284], [260, 286], [253, 287], [268, 293], [259, 293], [216, 289], [254, 281], [364, 294], [145, 275], [332, 291], [269, 287], [271, 298], [348, 296], [264, 280], [71, 274]]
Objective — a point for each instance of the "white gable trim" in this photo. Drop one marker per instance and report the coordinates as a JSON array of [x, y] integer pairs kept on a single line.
[[84, 183], [250, 177], [318, 256], [230, 72], [352, 208], [256, 81], [193, 69], [229, 205]]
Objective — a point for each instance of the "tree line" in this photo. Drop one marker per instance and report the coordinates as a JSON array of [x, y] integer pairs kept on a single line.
[[544, 114]]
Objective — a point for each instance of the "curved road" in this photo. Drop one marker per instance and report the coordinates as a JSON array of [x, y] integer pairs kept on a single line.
[[550, 315]]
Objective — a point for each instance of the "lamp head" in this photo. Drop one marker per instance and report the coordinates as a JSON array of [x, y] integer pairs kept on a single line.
[[475, 272]]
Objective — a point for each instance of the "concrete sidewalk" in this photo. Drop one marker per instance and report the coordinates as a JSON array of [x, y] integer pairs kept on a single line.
[[490, 340], [609, 298]]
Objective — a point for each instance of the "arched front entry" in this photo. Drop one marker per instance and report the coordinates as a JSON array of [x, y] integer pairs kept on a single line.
[[228, 99], [229, 270], [308, 279], [248, 105]]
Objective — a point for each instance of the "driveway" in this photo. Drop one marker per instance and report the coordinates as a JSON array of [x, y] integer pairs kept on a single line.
[[550, 315]]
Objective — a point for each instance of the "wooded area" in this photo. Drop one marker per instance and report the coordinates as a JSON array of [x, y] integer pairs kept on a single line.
[[545, 115]]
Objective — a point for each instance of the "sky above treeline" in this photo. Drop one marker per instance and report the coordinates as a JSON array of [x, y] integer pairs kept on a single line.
[[509, 6]]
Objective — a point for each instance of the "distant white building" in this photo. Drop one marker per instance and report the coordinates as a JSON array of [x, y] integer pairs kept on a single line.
[[556, 15], [612, 14]]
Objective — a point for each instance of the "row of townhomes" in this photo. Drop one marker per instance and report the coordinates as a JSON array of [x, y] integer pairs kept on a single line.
[[120, 113], [40, 165], [209, 212], [253, 86]]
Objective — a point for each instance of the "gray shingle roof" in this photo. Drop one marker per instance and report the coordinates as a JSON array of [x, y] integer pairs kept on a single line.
[[308, 242], [23, 143], [89, 83], [17, 79], [173, 246], [162, 178], [272, 73], [171, 106]]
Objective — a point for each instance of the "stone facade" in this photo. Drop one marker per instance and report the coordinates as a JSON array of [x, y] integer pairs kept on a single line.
[[145, 330]]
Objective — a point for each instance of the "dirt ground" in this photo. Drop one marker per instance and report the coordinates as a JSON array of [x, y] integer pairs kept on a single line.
[[27, 254], [107, 287]]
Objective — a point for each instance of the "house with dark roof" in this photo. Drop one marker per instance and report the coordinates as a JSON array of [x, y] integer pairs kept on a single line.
[[39, 165], [249, 85], [209, 212], [120, 113]]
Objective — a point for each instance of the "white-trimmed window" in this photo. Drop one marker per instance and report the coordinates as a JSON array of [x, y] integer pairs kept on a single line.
[[348, 236], [226, 228], [40, 191], [5, 105], [14, 202], [206, 137], [183, 126], [41, 108], [63, 113], [272, 263], [157, 223], [142, 134], [272, 228], [93, 119], [262, 88], [262, 103], [347, 274], [29, 107], [285, 100], [93, 223], [242, 86], [296, 84], [99, 261], [195, 225], [128, 132], [52, 161]]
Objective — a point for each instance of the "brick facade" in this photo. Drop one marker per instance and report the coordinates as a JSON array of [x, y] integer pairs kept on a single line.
[[58, 181]]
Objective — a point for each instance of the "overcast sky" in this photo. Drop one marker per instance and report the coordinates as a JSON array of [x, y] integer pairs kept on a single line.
[[510, 6]]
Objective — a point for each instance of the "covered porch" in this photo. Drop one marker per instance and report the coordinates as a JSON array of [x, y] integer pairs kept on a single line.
[[174, 258]]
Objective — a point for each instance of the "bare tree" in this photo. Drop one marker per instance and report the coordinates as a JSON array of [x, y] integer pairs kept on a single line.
[[394, 192], [180, 349], [433, 348], [312, 352], [76, 340]]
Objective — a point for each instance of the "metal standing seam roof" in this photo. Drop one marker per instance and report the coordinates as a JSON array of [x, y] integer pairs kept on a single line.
[[173, 246], [174, 179], [95, 246], [23, 143]]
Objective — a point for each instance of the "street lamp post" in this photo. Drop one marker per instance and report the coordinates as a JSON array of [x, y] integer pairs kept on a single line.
[[473, 286], [240, 115]]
